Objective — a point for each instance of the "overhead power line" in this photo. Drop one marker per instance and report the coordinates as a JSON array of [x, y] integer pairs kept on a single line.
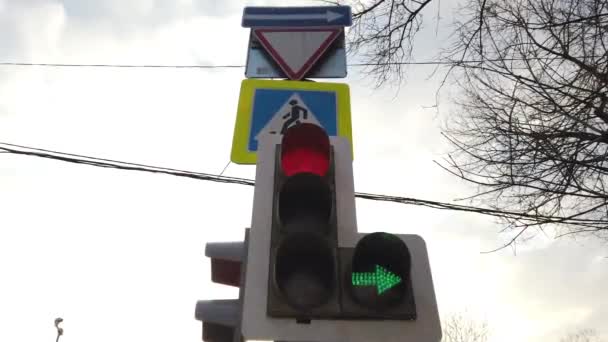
[[169, 66], [65, 65], [115, 164], [236, 66]]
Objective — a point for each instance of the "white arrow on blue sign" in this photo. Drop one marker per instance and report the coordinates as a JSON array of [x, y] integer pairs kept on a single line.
[[297, 16]]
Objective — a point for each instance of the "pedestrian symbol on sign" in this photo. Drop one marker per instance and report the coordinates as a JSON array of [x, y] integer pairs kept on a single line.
[[294, 115], [293, 112]]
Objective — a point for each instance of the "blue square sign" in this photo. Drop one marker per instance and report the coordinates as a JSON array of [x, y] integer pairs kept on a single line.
[[271, 107]]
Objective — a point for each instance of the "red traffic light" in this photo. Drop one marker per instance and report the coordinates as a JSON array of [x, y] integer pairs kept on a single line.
[[305, 148]]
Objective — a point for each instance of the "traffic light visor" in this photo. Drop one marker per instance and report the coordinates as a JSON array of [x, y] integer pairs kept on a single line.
[[305, 148]]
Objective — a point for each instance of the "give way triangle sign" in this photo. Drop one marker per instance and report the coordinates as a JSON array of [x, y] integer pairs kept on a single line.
[[296, 50]]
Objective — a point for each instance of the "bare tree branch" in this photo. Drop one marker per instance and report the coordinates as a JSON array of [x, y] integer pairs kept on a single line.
[[583, 335], [382, 35], [459, 328], [531, 128]]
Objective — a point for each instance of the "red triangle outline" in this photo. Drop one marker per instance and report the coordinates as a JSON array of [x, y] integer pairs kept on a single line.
[[297, 74]]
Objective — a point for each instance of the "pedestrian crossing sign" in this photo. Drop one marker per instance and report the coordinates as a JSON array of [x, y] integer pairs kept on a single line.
[[271, 107]]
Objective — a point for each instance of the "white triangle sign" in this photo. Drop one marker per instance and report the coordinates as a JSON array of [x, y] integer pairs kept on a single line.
[[293, 112], [296, 50]]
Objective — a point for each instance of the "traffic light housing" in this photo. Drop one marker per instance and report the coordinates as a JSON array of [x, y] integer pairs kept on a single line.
[[310, 276], [303, 274], [374, 286], [221, 318]]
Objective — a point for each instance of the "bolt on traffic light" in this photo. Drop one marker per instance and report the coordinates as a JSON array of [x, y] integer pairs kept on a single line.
[[310, 276]]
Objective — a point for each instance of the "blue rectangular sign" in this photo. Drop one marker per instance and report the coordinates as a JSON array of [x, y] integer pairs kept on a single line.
[[297, 16]]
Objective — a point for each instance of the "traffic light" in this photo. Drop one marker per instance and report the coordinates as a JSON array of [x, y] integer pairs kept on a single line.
[[221, 318], [303, 249], [378, 279], [310, 275]]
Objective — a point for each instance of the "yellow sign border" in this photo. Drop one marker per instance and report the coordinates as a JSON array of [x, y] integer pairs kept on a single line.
[[240, 140]]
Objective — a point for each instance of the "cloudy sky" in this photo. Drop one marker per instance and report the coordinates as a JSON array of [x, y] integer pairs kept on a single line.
[[120, 254]]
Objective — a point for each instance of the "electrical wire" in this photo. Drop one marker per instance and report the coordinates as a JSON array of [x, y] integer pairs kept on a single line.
[[116, 164], [233, 66], [64, 65], [122, 165]]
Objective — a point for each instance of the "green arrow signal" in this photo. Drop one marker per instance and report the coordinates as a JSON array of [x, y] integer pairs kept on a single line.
[[382, 278]]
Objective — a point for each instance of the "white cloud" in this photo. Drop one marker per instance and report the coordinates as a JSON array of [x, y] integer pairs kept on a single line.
[[30, 28]]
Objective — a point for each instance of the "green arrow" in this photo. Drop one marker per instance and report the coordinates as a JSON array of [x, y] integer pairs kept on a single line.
[[383, 279]]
